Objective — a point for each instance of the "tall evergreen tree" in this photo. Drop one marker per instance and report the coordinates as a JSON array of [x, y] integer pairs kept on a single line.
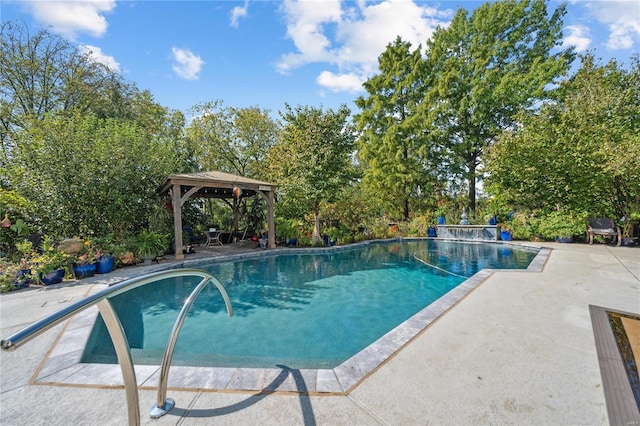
[[393, 148], [483, 68]]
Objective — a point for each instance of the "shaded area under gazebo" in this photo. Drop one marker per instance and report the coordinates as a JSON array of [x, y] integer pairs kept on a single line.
[[214, 184]]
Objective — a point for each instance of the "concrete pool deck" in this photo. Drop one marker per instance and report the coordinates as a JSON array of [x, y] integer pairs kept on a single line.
[[518, 349]]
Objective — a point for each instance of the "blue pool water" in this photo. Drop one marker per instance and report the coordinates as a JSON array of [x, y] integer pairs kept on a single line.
[[299, 310]]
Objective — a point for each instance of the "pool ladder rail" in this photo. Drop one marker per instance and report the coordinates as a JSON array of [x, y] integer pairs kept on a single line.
[[117, 334]]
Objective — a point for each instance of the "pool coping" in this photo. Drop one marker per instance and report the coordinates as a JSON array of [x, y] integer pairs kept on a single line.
[[62, 364]]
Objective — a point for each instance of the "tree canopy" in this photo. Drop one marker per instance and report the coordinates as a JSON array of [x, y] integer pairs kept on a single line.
[[579, 153], [84, 147], [83, 150], [480, 70], [397, 156], [312, 160], [235, 140], [44, 73]]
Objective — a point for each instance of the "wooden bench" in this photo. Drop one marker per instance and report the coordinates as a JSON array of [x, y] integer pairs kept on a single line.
[[605, 227]]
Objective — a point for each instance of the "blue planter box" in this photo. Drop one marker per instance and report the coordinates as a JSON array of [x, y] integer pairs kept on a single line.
[[104, 265], [505, 235], [84, 271], [23, 279], [564, 239], [54, 277]]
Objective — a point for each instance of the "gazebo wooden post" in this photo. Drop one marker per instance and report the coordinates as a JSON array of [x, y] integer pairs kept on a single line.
[[177, 220]]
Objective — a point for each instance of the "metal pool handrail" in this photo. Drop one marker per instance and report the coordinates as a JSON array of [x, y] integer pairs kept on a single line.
[[117, 334]]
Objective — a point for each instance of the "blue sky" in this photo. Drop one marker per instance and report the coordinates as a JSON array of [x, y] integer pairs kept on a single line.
[[266, 53]]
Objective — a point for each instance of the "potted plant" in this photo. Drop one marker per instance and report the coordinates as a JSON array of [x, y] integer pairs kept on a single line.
[[441, 212], [124, 252], [505, 232], [12, 276], [333, 233], [491, 219], [105, 259], [287, 231], [149, 245], [84, 263], [25, 248], [424, 224], [431, 232], [50, 266]]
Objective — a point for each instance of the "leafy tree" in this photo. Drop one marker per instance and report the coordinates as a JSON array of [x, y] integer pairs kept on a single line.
[[581, 153], [312, 160], [234, 140], [482, 69], [354, 208], [84, 147], [89, 176], [396, 155], [44, 73]]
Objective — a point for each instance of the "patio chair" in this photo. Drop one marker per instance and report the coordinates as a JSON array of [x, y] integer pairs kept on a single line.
[[213, 238], [605, 227]]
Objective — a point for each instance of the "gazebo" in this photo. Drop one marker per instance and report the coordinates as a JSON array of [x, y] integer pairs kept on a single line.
[[215, 184]]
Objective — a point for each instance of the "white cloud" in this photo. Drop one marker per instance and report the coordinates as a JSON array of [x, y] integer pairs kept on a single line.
[[71, 17], [96, 54], [352, 37], [623, 20], [187, 65], [341, 82], [578, 37], [367, 32], [306, 21], [239, 12]]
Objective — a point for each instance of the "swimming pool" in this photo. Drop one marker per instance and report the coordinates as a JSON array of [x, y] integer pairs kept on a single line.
[[302, 310]]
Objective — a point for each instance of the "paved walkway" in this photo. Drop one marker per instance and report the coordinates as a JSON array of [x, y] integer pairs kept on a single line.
[[518, 350]]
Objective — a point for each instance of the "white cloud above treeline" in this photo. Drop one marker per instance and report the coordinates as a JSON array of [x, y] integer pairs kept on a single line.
[[622, 18], [351, 35], [69, 18], [186, 64]]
